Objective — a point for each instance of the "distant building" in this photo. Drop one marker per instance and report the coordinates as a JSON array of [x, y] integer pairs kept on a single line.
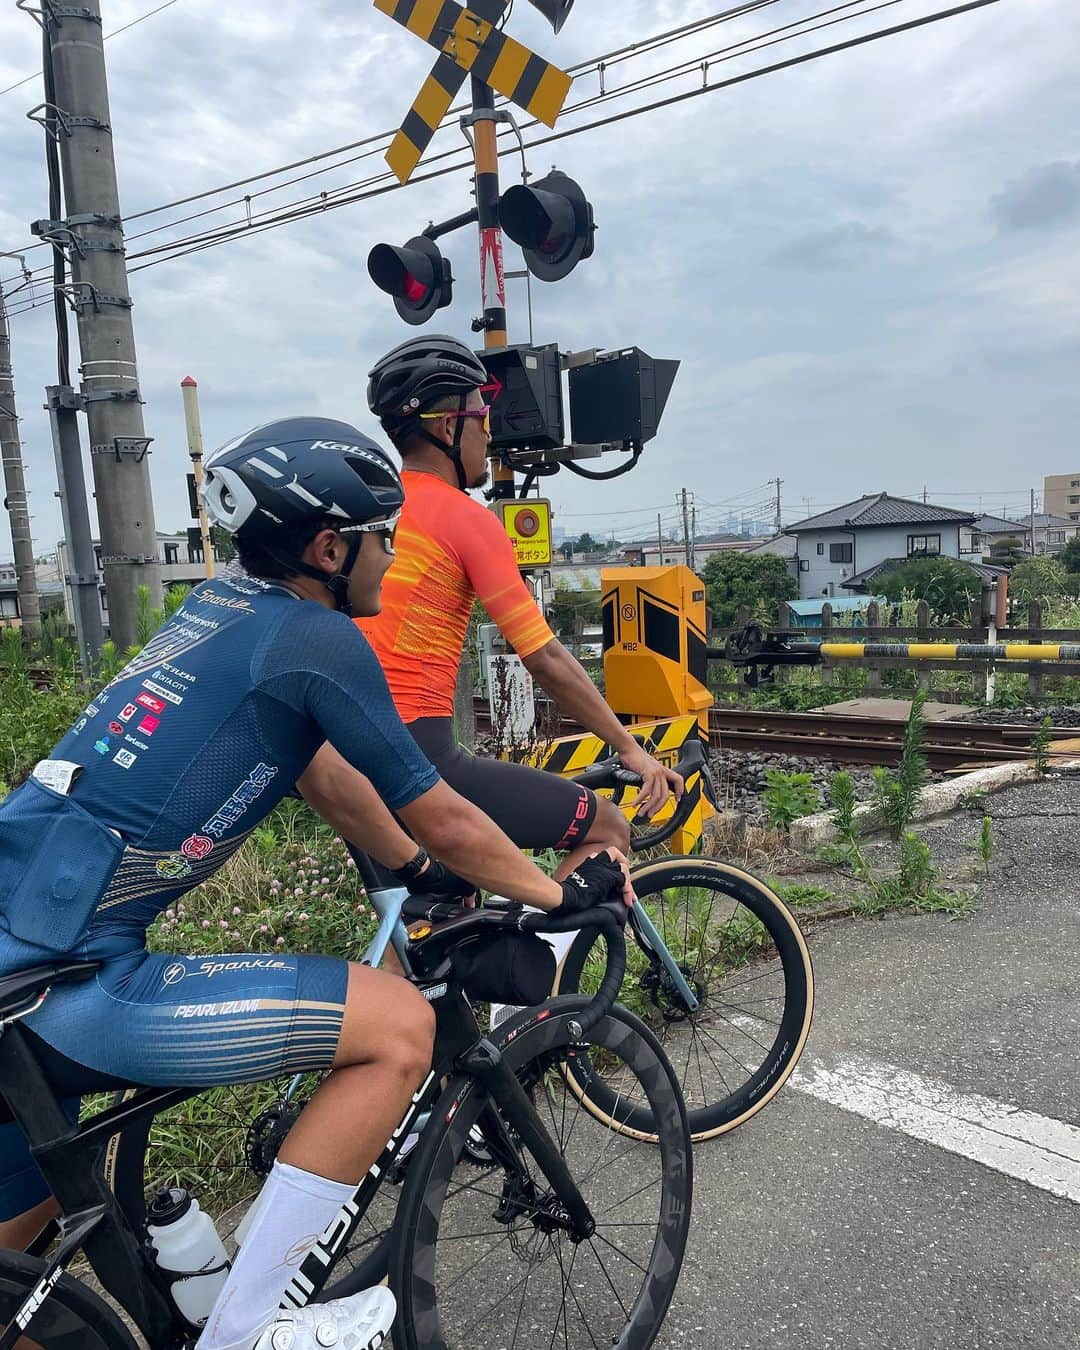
[[49, 589], [843, 548], [784, 546], [847, 611], [1052, 533], [1061, 495], [181, 559], [648, 553]]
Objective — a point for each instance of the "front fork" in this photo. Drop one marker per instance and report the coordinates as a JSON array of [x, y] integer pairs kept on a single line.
[[485, 1062], [652, 944]]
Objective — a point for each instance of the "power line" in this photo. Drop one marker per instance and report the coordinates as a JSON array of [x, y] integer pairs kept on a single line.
[[115, 33], [378, 186]]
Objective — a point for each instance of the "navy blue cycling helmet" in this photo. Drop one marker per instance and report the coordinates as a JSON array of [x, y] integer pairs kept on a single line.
[[268, 484]]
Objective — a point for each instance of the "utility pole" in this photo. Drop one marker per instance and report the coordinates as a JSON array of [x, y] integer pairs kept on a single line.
[[92, 236], [779, 521], [22, 544], [1034, 550], [659, 542], [190, 394], [483, 121], [688, 540]]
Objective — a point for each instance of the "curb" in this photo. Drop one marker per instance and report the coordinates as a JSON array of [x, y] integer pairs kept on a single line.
[[810, 832]]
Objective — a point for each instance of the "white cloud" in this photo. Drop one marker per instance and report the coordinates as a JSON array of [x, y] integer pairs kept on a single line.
[[894, 353]]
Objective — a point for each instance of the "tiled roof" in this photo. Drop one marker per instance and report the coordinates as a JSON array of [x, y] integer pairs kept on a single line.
[[984, 571], [878, 508]]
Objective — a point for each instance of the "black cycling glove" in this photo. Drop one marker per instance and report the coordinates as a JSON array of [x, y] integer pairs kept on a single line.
[[592, 882], [439, 880]]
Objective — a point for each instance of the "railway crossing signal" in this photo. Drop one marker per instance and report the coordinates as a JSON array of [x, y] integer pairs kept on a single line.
[[468, 43], [552, 221], [416, 275]]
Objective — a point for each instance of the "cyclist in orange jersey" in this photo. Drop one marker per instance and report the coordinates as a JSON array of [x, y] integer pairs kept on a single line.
[[450, 550]]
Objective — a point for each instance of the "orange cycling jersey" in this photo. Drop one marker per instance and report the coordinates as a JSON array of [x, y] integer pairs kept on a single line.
[[450, 551]]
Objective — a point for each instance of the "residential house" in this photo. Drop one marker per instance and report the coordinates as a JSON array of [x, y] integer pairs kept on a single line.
[[784, 546], [1052, 533], [845, 548], [1061, 495], [48, 588], [181, 558], [648, 553]]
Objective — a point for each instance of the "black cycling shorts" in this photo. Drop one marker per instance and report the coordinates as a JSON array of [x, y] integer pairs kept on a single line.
[[535, 809]]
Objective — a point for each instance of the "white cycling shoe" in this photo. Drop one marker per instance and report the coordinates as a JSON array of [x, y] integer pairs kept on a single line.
[[361, 1322]]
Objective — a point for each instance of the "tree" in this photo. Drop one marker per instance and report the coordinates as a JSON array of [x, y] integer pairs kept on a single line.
[[567, 606], [734, 578], [1038, 579], [1069, 557], [587, 544], [946, 585], [1007, 550]]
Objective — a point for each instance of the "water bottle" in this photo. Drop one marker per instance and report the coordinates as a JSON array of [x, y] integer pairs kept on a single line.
[[186, 1243]]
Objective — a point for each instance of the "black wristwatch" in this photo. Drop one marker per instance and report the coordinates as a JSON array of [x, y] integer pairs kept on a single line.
[[413, 868]]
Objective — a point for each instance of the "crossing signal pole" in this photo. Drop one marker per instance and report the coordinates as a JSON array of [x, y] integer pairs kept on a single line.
[[76, 114], [22, 545]]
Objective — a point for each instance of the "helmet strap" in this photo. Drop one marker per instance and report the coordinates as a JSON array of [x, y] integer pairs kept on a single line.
[[453, 450], [338, 584]]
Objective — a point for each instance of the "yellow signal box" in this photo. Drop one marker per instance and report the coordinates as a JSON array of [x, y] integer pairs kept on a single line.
[[528, 523], [655, 662]]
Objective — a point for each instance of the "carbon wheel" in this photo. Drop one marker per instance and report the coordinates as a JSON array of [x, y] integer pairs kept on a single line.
[[741, 951], [483, 1258], [71, 1318]]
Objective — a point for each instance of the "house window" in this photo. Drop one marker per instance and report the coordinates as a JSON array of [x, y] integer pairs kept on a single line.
[[1055, 536], [923, 544], [1074, 501], [804, 563], [820, 549], [9, 606], [172, 554], [976, 540], [97, 556], [1074, 482], [1074, 515], [840, 553], [104, 600]]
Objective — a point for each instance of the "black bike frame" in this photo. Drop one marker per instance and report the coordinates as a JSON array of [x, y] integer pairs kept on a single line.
[[71, 1157]]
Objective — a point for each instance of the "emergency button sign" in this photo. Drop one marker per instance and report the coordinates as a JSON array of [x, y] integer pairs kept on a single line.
[[528, 523]]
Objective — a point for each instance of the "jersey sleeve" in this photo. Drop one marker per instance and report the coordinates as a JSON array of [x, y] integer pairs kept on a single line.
[[321, 665], [488, 558]]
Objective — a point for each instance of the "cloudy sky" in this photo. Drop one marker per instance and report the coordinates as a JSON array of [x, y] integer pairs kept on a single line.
[[869, 265]]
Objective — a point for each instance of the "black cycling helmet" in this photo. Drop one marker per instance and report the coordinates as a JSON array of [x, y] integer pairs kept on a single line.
[[268, 484], [418, 373]]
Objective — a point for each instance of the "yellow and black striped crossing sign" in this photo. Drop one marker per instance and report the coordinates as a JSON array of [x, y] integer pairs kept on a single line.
[[468, 44]]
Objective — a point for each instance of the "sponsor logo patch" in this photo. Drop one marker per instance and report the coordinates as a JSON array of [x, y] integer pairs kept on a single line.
[[148, 725], [173, 868], [156, 705], [162, 692], [124, 758], [102, 747], [117, 728], [196, 846], [127, 712]]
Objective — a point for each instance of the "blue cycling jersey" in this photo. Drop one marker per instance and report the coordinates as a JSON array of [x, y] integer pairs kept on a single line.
[[154, 787], [175, 761]]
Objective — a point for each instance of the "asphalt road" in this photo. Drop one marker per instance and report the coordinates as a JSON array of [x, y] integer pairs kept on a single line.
[[822, 1225]]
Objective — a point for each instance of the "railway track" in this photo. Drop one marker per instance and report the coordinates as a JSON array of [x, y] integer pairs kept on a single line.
[[846, 739]]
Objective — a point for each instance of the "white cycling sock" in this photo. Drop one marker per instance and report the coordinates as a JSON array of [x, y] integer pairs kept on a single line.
[[293, 1210]]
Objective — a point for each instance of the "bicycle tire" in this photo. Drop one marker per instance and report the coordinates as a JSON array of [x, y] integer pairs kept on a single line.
[[436, 1316], [71, 1316], [725, 1019]]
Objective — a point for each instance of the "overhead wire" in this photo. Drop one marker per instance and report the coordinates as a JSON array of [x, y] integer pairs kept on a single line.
[[378, 184], [322, 201], [115, 33]]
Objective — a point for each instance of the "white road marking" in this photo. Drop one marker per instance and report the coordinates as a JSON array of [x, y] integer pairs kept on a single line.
[[1040, 1150]]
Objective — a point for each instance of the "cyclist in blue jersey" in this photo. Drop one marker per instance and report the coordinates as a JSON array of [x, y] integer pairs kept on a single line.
[[259, 680]]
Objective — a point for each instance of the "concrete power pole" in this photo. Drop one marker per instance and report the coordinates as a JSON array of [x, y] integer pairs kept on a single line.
[[15, 489], [92, 236], [688, 538], [1034, 549], [779, 521]]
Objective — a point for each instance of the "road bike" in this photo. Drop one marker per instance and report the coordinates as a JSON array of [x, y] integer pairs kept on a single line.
[[718, 967], [519, 1218]]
